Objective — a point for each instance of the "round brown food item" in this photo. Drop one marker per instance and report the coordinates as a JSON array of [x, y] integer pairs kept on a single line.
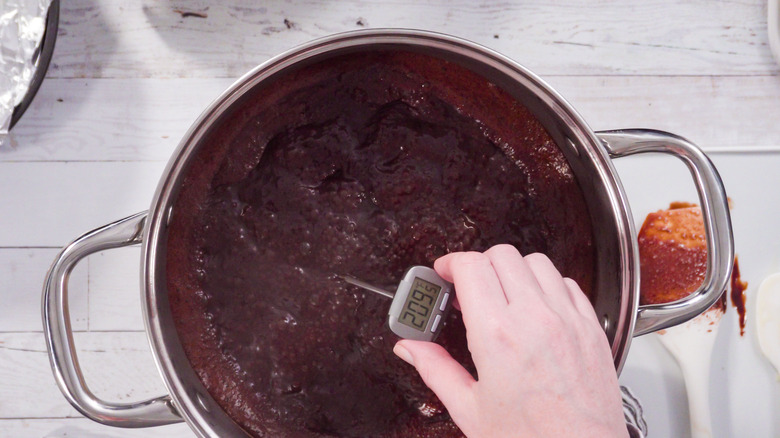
[[672, 254], [361, 165]]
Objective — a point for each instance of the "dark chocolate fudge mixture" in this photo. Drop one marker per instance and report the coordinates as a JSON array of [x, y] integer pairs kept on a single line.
[[361, 165]]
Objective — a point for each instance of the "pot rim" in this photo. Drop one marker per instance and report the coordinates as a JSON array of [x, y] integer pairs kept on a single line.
[[191, 398]]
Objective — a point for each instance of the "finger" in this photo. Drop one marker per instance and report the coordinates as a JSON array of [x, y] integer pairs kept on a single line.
[[550, 281], [580, 300], [441, 373], [441, 266], [516, 277], [477, 287]]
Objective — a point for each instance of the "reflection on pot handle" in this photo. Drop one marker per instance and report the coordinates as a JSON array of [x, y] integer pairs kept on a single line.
[[717, 223], [59, 336]]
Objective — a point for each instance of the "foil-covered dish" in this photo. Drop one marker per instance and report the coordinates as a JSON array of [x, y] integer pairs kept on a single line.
[[28, 29]]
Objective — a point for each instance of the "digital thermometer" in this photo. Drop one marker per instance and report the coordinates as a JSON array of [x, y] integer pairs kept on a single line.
[[420, 303]]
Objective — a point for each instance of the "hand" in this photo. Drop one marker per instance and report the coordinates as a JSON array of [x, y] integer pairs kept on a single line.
[[544, 364]]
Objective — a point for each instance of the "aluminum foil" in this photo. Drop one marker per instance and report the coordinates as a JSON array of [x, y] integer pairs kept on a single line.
[[22, 23]]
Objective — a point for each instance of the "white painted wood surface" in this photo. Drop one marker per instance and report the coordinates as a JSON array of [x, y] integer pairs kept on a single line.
[[82, 428], [129, 77], [144, 119], [118, 38]]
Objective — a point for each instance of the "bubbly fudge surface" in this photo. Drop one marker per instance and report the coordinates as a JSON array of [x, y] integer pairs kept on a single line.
[[359, 165]]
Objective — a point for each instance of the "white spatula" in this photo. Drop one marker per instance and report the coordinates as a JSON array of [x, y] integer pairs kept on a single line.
[[691, 345], [768, 319]]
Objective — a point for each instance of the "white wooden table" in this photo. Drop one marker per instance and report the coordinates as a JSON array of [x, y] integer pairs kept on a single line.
[[128, 77]]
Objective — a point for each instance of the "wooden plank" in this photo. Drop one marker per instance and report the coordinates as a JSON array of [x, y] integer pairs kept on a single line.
[[110, 119], [84, 428], [114, 290], [144, 119], [57, 202], [117, 367], [121, 38], [713, 112], [22, 273]]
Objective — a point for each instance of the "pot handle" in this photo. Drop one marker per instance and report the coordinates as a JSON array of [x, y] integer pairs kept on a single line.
[[59, 336], [715, 212]]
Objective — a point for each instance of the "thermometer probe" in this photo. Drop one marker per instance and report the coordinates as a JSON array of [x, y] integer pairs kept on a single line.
[[420, 303]]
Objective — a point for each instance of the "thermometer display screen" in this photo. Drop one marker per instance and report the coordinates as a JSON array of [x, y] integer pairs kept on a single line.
[[419, 304]]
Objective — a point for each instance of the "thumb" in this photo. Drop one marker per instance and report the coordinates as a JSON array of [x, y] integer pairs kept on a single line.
[[440, 372]]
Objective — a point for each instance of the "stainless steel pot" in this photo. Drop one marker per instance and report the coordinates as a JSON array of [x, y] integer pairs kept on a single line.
[[589, 153]]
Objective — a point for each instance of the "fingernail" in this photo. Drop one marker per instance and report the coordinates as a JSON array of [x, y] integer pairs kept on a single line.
[[403, 353]]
